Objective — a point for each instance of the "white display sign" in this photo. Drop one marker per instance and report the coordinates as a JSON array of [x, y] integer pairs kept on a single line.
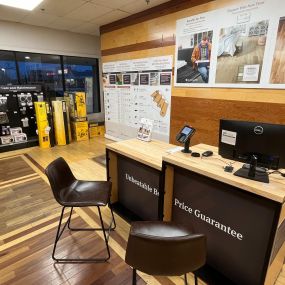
[[229, 137], [136, 89], [240, 46]]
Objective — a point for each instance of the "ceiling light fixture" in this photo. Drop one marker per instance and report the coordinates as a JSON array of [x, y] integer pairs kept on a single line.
[[27, 57], [21, 4]]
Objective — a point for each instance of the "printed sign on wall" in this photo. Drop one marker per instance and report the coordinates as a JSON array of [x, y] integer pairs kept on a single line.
[[239, 46], [136, 89]]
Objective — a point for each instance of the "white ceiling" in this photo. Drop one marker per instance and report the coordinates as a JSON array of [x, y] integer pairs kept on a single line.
[[80, 16]]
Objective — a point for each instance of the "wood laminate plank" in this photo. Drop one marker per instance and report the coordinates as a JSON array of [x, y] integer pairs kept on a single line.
[[212, 167], [149, 153], [13, 168]]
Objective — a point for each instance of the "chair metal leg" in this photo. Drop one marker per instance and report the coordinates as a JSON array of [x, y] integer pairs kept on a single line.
[[112, 213], [196, 279], [61, 229], [69, 219], [134, 276], [58, 233], [110, 227], [185, 279], [104, 233]]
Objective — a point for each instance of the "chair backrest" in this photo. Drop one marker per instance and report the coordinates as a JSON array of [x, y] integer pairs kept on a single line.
[[172, 256], [60, 177]]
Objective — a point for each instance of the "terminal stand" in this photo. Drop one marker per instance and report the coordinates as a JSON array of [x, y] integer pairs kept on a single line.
[[186, 146], [252, 172]]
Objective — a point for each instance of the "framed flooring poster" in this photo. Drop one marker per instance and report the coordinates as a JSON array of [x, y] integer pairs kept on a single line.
[[239, 46]]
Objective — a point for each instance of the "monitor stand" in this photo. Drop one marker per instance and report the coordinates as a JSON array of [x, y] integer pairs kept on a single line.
[[186, 147], [252, 172]]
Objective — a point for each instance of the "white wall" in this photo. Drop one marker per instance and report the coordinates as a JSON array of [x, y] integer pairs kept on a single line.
[[21, 37], [27, 38]]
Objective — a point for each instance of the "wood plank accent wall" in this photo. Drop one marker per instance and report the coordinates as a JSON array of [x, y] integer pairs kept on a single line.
[[201, 107], [205, 114]]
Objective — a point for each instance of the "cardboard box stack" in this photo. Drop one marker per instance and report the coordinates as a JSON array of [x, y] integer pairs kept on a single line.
[[77, 109], [96, 129]]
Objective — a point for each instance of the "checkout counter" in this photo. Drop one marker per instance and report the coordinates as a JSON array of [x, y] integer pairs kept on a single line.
[[244, 220], [135, 169]]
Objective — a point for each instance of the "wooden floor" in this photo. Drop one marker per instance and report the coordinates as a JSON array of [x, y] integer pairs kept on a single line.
[[227, 66], [29, 217], [278, 64]]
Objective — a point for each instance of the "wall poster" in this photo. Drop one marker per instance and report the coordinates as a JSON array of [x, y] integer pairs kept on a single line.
[[240, 46], [136, 89]]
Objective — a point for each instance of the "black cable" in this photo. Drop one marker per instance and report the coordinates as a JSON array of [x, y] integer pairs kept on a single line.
[[225, 162], [277, 171]]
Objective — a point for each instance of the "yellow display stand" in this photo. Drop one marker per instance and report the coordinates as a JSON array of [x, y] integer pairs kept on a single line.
[[43, 133], [41, 109]]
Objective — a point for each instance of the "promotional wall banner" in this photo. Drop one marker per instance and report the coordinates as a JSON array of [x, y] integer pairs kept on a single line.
[[238, 46], [136, 89]]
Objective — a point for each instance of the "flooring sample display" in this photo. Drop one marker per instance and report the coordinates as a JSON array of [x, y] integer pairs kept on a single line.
[[232, 47], [136, 89]]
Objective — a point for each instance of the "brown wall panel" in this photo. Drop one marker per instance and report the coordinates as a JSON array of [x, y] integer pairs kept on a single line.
[[204, 115]]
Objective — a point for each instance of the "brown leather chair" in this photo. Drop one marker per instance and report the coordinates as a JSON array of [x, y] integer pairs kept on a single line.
[[165, 249], [70, 192]]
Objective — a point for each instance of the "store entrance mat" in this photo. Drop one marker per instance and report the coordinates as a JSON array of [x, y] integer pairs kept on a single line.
[[101, 159]]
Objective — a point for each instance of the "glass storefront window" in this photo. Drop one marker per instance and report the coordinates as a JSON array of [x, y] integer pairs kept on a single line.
[[81, 74], [54, 73], [41, 69], [8, 70]]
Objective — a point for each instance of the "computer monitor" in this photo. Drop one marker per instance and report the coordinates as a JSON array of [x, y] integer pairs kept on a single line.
[[240, 140]]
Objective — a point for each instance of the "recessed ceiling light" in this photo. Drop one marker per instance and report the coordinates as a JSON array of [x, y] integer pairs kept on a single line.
[[22, 4], [27, 57]]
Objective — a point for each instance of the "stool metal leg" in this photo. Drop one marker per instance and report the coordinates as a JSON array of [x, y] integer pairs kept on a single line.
[[104, 233], [196, 279], [58, 233], [110, 227], [61, 229], [185, 279], [134, 276]]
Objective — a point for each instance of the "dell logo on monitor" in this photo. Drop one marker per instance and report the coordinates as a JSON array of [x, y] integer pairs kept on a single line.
[[258, 130]]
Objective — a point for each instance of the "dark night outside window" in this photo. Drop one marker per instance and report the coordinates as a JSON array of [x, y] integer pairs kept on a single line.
[[81, 74], [41, 69], [54, 72], [8, 71]]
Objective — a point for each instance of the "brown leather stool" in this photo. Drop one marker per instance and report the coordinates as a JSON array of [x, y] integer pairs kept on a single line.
[[164, 248], [70, 192]]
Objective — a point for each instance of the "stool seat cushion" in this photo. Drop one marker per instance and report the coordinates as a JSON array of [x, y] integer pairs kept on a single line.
[[165, 248], [159, 230], [86, 193]]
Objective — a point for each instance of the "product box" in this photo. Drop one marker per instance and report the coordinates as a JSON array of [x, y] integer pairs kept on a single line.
[[15, 131], [96, 129], [61, 122], [77, 105], [80, 131], [6, 139], [20, 137]]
